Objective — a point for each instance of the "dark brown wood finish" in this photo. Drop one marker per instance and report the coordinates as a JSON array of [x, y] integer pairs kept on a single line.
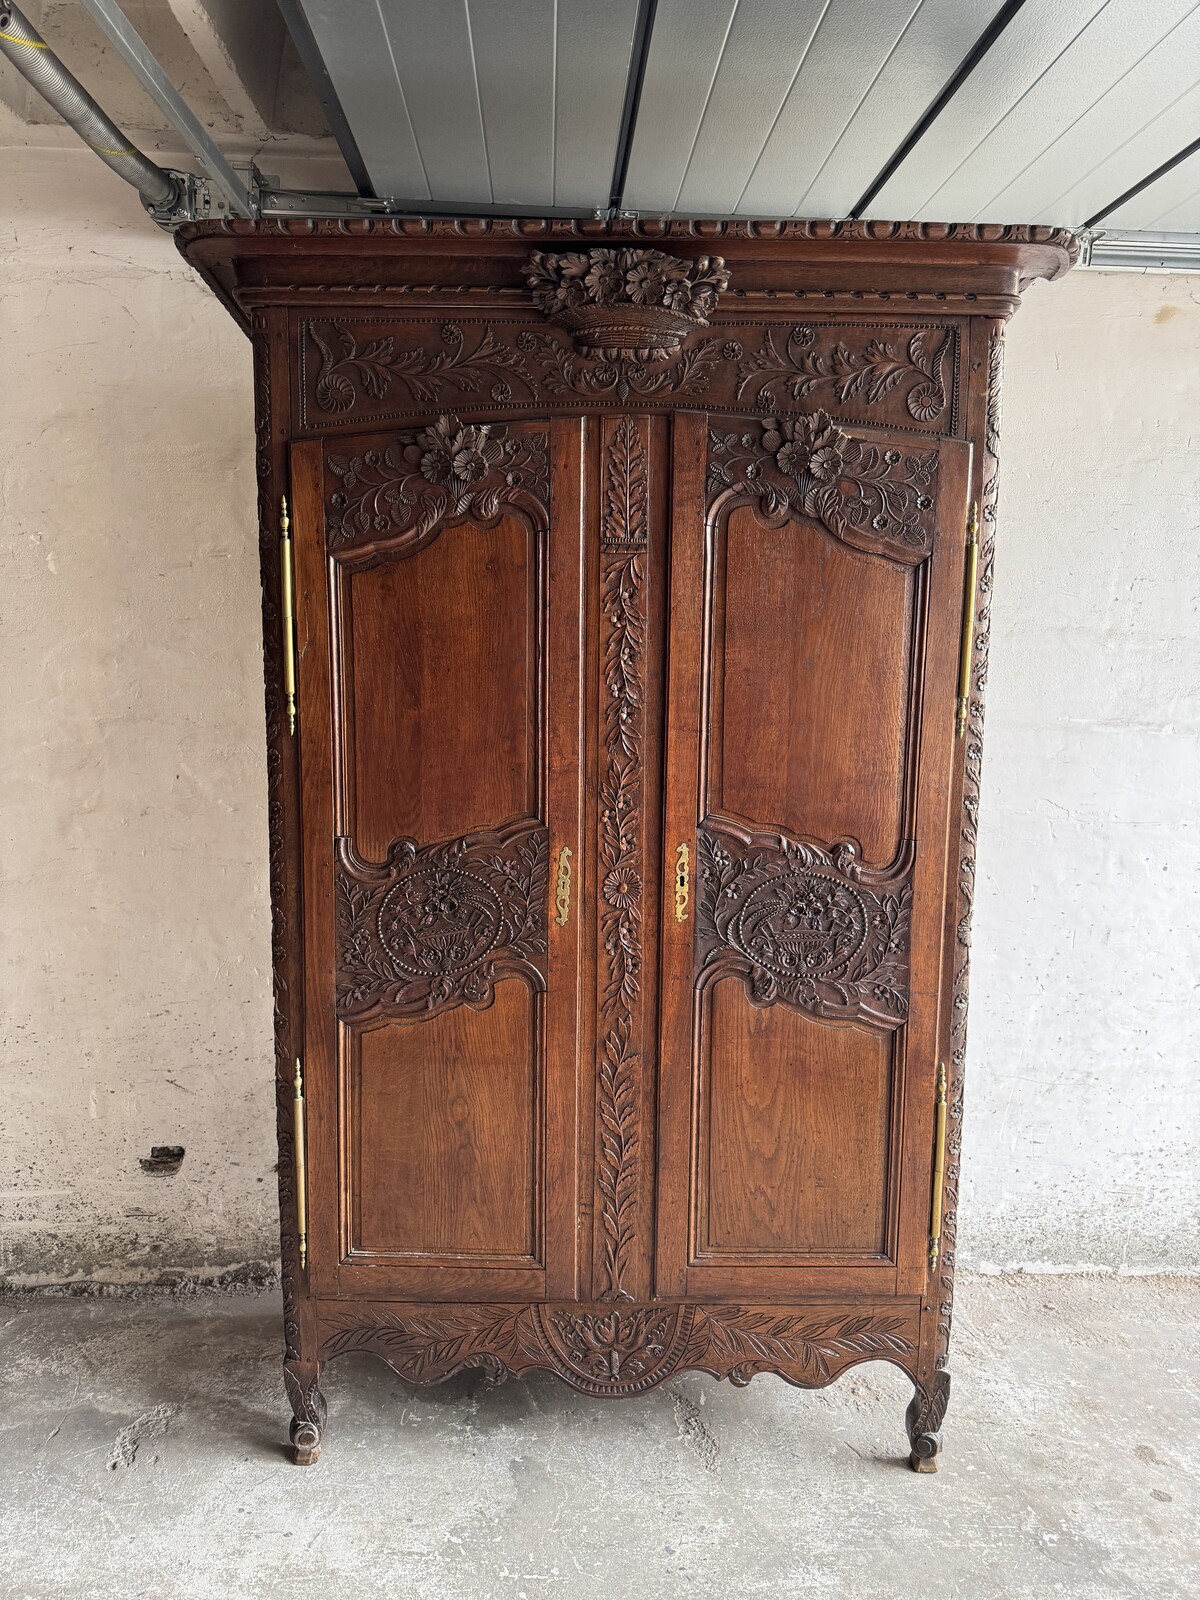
[[611, 539]]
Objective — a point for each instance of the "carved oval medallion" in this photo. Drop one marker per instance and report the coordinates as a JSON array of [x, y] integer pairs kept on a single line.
[[440, 921], [801, 924]]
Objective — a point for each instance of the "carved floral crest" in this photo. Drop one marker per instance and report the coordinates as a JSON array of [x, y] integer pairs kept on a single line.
[[807, 466], [636, 303], [452, 469]]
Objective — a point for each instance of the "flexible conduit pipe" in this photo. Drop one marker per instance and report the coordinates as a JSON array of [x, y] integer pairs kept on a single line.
[[35, 61]]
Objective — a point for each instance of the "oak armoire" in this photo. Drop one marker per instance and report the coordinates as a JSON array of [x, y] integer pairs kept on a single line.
[[626, 596]]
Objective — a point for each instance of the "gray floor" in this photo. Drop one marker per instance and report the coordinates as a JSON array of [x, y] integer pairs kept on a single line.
[[142, 1457]]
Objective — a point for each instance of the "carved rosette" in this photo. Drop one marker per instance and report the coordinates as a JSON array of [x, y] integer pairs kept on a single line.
[[407, 489], [805, 924], [624, 524], [612, 1351], [877, 498], [438, 926], [633, 303]]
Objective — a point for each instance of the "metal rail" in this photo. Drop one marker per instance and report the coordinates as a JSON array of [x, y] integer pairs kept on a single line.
[[36, 62], [132, 48]]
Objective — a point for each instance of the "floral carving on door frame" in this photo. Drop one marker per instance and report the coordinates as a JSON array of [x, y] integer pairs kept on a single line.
[[877, 497]]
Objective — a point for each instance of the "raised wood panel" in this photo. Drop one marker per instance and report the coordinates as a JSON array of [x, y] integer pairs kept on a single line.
[[793, 1154], [809, 670], [443, 1132], [440, 665]]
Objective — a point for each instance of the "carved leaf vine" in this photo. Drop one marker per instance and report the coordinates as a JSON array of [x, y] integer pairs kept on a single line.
[[799, 369], [619, 1143], [372, 367], [623, 532], [428, 1347], [748, 1341]]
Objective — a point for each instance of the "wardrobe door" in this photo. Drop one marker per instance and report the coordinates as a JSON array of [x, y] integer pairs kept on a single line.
[[815, 608], [438, 627]]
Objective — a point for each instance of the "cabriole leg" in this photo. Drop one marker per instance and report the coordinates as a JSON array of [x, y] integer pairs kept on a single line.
[[308, 1409], [924, 1421]]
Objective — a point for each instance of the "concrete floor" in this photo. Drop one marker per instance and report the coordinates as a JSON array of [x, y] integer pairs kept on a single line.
[[143, 1457]]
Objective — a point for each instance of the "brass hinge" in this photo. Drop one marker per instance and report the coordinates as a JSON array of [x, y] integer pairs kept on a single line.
[[939, 1170], [287, 607], [967, 640], [298, 1142]]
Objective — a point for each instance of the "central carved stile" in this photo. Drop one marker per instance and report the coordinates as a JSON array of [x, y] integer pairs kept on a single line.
[[623, 540]]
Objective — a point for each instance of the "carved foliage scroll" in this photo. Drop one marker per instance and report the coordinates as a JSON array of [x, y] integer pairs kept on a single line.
[[805, 924], [624, 1350], [407, 488], [879, 498], [624, 524], [792, 366], [438, 926], [361, 369]]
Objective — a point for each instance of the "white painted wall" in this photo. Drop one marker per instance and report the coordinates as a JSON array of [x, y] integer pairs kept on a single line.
[[133, 920], [1082, 1142]]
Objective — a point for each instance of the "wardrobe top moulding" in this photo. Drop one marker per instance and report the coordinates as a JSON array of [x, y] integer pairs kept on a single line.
[[971, 268]]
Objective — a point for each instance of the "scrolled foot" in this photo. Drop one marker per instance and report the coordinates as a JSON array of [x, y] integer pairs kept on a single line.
[[308, 1410], [923, 1420], [306, 1441]]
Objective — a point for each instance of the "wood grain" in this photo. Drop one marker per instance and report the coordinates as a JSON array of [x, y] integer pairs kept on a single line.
[[432, 694], [443, 1134]]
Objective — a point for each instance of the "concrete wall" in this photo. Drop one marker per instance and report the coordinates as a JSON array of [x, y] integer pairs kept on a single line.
[[134, 915]]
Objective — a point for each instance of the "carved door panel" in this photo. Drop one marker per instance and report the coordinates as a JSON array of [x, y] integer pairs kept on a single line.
[[438, 604], [815, 608]]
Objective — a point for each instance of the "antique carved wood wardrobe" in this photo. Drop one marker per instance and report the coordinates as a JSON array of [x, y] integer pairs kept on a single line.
[[626, 595]]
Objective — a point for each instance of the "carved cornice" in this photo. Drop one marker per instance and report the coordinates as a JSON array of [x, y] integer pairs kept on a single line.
[[399, 495], [244, 262], [623, 1350], [804, 923], [527, 229], [874, 497], [439, 925]]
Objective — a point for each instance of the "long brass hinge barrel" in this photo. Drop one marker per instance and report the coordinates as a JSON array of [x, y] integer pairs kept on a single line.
[[287, 608], [299, 1141], [967, 639], [939, 1170]]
